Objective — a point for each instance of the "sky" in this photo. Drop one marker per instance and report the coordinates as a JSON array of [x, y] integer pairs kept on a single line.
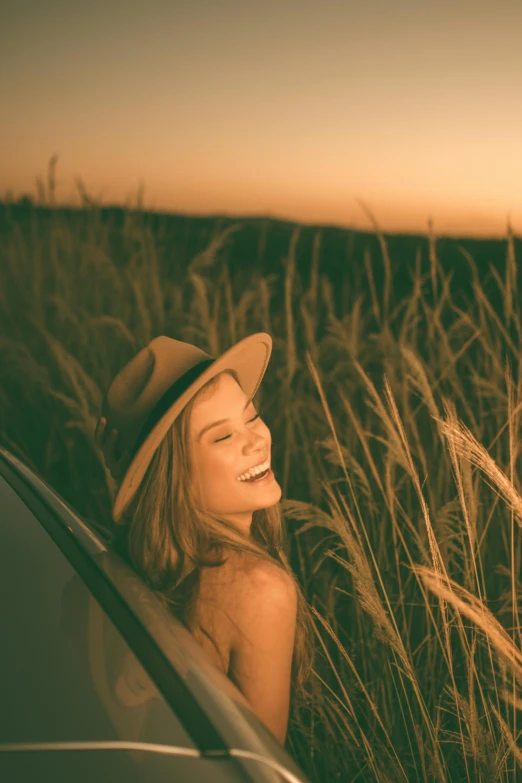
[[296, 109]]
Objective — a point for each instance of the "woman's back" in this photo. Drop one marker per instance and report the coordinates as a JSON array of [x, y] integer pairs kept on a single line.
[[211, 617], [244, 617]]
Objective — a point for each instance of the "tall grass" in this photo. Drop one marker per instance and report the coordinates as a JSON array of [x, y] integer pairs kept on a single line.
[[396, 426]]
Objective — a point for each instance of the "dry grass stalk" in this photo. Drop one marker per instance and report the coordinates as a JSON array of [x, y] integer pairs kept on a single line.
[[469, 517], [371, 282], [291, 353], [467, 446], [368, 746], [432, 254], [385, 258], [508, 737], [266, 321], [471, 607], [207, 257], [510, 289], [438, 563], [230, 305]]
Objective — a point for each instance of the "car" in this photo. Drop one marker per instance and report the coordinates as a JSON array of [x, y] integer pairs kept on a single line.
[[98, 680]]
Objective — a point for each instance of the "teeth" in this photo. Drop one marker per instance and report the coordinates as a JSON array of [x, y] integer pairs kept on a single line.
[[254, 471]]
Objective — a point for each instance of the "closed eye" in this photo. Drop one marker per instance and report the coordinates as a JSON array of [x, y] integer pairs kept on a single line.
[[228, 436]]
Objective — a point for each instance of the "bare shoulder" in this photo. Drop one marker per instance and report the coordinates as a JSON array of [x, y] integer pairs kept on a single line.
[[263, 596], [268, 580], [248, 585], [254, 573]]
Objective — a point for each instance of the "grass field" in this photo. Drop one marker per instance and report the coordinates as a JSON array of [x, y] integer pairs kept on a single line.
[[394, 397]]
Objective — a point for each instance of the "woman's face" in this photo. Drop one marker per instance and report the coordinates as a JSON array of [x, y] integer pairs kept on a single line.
[[221, 453]]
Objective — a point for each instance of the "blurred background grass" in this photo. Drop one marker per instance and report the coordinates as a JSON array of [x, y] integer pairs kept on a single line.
[[384, 349]]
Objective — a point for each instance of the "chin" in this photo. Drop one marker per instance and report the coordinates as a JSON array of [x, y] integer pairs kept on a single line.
[[275, 498]]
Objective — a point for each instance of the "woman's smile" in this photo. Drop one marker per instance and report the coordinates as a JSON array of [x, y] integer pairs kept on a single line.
[[260, 482]]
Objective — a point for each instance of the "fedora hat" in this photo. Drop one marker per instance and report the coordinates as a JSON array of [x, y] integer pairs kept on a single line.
[[152, 389]]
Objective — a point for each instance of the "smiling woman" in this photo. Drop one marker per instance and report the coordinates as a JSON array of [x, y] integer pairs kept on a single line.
[[196, 522]]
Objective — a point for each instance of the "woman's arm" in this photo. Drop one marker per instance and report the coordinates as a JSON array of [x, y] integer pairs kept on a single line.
[[263, 643]]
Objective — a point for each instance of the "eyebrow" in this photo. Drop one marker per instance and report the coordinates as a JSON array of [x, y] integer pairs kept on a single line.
[[217, 423]]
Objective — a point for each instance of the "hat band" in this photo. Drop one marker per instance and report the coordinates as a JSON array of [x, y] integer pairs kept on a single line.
[[168, 399]]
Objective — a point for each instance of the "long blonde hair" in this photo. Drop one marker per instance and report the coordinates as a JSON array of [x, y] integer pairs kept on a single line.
[[167, 538]]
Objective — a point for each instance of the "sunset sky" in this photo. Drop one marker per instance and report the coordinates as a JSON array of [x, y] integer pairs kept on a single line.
[[285, 108]]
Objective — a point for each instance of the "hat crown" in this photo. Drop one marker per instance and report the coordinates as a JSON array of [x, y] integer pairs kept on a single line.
[[142, 382]]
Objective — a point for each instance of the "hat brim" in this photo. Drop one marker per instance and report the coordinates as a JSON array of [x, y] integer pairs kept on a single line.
[[249, 358]]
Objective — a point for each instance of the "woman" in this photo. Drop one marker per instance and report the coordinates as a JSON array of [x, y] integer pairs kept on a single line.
[[197, 512]]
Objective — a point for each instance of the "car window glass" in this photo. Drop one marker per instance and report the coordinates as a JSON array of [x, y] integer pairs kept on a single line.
[[66, 674]]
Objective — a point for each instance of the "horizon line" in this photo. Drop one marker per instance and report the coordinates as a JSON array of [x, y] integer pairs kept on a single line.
[[24, 199]]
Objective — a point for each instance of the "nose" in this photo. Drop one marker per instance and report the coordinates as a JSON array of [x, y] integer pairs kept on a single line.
[[256, 441]]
